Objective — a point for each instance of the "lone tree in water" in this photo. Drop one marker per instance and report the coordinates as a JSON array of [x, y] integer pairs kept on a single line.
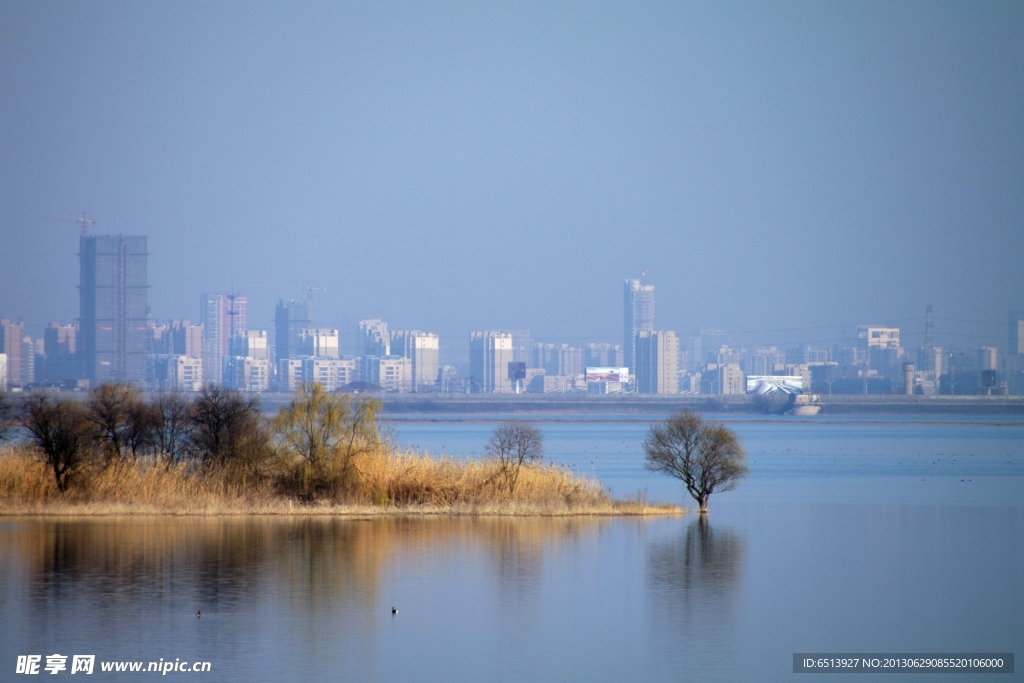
[[513, 444], [706, 456]]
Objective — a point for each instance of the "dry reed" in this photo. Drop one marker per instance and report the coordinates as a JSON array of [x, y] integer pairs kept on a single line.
[[388, 482]]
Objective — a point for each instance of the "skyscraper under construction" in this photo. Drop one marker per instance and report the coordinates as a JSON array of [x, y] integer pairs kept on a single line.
[[113, 307], [638, 316]]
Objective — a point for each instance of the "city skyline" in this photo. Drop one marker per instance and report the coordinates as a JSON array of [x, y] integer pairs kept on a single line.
[[116, 341], [983, 333], [458, 167]]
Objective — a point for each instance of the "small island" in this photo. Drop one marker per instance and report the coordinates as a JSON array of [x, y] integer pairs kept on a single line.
[[118, 452]]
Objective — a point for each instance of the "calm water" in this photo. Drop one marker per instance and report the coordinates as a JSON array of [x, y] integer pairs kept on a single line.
[[853, 535]]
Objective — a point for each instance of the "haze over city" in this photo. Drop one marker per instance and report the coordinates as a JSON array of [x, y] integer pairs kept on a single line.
[[781, 172]]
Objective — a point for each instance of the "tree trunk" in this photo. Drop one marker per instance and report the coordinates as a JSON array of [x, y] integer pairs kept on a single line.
[[703, 500]]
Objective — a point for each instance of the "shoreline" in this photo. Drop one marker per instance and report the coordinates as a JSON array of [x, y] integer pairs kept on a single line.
[[354, 512]]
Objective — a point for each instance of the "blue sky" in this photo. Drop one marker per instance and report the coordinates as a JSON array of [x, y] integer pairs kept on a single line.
[[779, 169]]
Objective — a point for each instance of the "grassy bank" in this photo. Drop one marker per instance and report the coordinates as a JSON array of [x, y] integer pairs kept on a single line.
[[386, 483]]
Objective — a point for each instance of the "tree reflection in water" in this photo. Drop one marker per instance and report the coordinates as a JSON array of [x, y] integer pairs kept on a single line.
[[309, 562], [693, 581]]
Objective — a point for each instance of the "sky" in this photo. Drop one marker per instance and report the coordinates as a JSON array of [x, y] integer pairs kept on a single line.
[[782, 171]]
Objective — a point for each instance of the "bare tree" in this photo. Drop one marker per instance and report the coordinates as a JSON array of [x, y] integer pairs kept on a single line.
[[6, 415], [172, 412], [513, 444], [114, 410], [140, 434], [706, 456], [223, 424], [60, 430]]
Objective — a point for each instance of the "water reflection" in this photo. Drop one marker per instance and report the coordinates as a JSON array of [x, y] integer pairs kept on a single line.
[[704, 562], [693, 582], [311, 562]]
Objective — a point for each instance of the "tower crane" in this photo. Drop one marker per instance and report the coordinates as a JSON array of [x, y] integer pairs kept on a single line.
[[82, 220], [309, 299]]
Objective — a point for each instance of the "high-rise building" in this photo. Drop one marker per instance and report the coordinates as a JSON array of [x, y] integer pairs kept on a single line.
[[290, 318], [177, 372], [11, 335], [331, 373], [558, 359], [638, 316], [289, 374], [185, 339], [222, 317], [423, 349], [247, 374], [871, 336], [251, 344], [489, 356], [28, 361], [766, 361], [318, 343], [707, 345], [113, 307], [376, 340], [522, 346], [728, 379], [1016, 325], [390, 373], [657, 367], [988, 358], [604, 356], [59, 362], [248, 366]]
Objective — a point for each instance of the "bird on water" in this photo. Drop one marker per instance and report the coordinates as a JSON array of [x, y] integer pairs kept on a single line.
[[394, 610], [199, 614]]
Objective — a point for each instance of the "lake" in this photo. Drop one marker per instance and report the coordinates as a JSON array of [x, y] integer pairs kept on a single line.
[[852, 535]]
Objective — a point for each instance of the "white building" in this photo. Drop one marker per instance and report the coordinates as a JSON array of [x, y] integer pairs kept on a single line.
[[988, 358], [247, 374], [657, 362], [289, 374], [376, 341], [251, 344], [3, 372], [423, 349], [730, 379], [390, 373], [222, 317], [319, 343], [331, 373], [185, 373], [766, 361], [489, 355], [870, 336]]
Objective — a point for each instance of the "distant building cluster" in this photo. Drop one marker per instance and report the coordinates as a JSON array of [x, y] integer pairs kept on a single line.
[[115, 338]]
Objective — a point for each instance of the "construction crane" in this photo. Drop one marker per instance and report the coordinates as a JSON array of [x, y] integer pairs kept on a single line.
[[309, 299], [83, 220]]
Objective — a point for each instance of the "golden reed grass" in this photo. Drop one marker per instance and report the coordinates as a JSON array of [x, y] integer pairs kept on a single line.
[[388, 482]]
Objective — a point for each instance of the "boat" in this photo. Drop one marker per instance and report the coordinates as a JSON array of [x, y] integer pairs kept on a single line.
[[805, 405]]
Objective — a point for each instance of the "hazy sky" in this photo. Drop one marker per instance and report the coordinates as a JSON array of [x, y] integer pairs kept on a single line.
[[452, 167]]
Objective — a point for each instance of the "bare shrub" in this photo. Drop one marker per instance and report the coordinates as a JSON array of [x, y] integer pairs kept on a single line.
[[513, 444]]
